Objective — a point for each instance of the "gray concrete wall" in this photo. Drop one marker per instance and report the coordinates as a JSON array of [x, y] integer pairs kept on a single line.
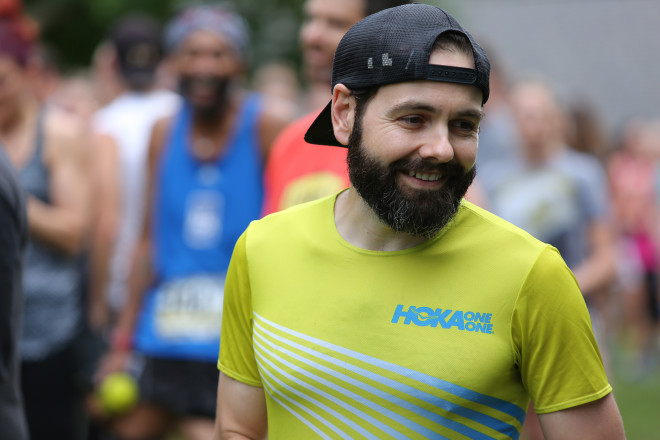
[[607, 51]]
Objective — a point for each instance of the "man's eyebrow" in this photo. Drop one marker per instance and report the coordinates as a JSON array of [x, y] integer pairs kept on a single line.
[[412, 104], [470, 113]]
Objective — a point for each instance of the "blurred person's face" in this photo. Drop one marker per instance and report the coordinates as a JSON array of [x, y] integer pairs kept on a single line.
[[326, 22], [207, 63], [12, 79], [106, 77], [642, 139], [411, 154], [538, 119]]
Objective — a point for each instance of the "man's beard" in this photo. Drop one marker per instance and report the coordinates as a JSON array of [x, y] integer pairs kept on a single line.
[[422, 213], [220, 86]]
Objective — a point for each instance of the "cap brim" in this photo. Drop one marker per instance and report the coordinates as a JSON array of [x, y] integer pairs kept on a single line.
[[321, 131]]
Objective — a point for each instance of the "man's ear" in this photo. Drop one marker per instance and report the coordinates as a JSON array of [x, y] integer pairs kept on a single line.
[[343, 113]]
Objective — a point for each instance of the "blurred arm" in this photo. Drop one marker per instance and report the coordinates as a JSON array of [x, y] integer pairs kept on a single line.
[[64, 223], [241, 411], [106, 212], [141, 267], [597, 270], [599, 420]]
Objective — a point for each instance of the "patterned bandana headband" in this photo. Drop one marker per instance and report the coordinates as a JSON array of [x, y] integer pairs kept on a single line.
[[14, 42], [211, 18]]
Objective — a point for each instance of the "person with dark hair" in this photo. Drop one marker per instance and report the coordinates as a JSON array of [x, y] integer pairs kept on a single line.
[[122, 129], [13, 237], [395, 308], [296, 173], [47, 148], [203, 187], [553, 192], [556, 194], [632, 172]]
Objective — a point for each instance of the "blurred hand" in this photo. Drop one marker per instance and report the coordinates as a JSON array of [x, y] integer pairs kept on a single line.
[[114, 361]]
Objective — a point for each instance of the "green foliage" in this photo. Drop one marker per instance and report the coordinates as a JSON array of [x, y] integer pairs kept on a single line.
[[74, 28]]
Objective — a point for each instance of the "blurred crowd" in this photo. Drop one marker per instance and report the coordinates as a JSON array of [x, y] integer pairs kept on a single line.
[[141, 171]]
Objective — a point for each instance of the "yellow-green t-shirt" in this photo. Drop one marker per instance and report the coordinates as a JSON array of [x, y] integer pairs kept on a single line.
[[445, 340]]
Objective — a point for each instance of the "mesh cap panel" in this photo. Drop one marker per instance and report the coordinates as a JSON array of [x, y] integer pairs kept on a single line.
[[394, 46]]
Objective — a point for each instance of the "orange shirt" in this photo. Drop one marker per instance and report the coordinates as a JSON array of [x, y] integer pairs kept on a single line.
[[298, 172]]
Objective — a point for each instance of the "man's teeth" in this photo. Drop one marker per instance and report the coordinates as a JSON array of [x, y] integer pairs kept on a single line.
[[425, 176]]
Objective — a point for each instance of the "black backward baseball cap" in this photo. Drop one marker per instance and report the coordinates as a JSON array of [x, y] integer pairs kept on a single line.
[[391, 46], [137, 40]]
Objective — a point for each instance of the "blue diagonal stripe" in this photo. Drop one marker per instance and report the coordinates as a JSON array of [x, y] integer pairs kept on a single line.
[[295, 413], [478, 417], [316, 402], [389, 430], [448, 387]]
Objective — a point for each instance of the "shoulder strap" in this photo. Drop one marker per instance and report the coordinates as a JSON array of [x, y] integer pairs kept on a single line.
[[178, 130], [39, 137], [36, 159], [249, 114]]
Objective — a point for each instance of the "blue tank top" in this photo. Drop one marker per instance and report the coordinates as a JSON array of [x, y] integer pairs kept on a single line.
[[52, 280], [199, 211]]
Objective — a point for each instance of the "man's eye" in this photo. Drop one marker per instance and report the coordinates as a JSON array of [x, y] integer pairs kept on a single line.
[[465, 125], [412, 120], [338, 24]]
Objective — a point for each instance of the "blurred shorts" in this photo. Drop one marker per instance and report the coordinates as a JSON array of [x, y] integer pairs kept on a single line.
[[183, 387]]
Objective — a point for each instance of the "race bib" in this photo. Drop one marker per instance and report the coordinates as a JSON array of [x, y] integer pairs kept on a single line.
[[202, 227], [190, 308]]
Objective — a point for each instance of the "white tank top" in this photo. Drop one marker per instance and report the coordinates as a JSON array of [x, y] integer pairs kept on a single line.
[[129, 120]]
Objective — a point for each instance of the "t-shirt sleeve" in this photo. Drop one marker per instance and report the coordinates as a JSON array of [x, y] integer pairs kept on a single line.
[[236, 351], [556, 350]]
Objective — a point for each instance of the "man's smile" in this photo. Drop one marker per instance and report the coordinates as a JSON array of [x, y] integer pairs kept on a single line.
[[428, 176]]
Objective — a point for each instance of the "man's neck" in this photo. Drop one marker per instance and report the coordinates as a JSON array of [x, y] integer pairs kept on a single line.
[[211, 132], [318, 96], [360, 226], [17, 132], [217, 119], [137, 90], [542, 153], [24, 114]]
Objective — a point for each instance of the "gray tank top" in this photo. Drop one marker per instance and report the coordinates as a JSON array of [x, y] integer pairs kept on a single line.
[[52, 312]]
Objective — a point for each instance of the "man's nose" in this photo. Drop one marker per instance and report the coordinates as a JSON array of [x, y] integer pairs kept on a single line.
[[312, 32], [437, 147], [204, 65]]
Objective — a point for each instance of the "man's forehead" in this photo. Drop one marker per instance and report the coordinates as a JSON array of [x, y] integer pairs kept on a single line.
[[348, 10], [454, 58], [536, 95], [206, 39], [431, 96]]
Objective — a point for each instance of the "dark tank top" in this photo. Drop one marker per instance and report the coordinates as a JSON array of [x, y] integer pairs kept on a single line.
[[52, 311]]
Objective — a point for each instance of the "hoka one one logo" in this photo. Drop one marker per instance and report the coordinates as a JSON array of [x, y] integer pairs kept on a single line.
[[426, 316]]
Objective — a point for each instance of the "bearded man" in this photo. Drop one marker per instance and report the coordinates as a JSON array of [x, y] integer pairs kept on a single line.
[[204, 186], [297, 172], [395, 309]]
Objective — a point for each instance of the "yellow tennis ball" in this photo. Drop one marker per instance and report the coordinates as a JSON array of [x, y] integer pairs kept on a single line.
[[118, 392]]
